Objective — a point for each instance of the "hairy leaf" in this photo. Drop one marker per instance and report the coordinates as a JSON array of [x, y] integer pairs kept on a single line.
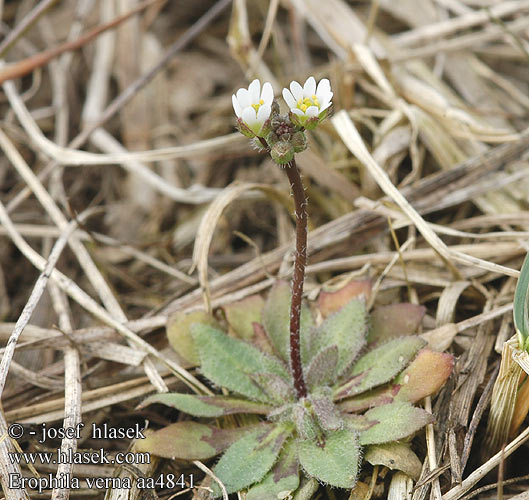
[[336, 462], [395, 456], [380, 365], [248, 460], [206, 406], [424, 376], [322, 369], [230, 362], [331, 302], [279, 390], [189, 440], [242, 314], [276, 319], [179, 333], [345, 329], [394, 421], [326, 412], [281, 480], [394, 320]]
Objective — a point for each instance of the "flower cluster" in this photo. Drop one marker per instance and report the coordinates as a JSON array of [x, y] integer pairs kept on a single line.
[[258, 115]]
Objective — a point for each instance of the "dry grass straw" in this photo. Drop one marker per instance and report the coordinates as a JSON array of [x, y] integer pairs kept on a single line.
[[430, 133]]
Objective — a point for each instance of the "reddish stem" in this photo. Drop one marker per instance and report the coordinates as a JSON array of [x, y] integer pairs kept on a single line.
[[298, 277]]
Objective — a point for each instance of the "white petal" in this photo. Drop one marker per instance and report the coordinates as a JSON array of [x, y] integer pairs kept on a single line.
[[324, 107], [236, 106], [312, 111], [310, 87], [267, 94], [243, 96], [324, 88], [249, 116], [297, 111], [289, 98], [297, 90], [325, 101], [264, 113], [254, 89]]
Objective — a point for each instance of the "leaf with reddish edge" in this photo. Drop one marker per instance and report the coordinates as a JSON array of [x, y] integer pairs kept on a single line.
[[282, 479], [393, 422], [394, 320], [330, 302], [242, 314], [276, 320], [179, 333], [248, 460], [190, 440], [425, 375], [206, 406], [380, 365]]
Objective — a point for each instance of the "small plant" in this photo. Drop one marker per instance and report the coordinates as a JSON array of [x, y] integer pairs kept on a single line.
[[329, 378]]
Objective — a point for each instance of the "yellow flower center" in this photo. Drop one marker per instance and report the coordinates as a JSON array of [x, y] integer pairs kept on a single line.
[[306, 102], [258, 105]]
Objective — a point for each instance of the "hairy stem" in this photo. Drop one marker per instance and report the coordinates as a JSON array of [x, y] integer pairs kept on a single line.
[[298, 278]]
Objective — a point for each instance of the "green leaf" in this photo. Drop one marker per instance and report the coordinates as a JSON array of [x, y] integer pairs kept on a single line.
[[394, 320], [279, 390], [179, 333], [281, 480], [322, 369], [425, 375], [395, 456], [336, 462], [380, 365], [276, 320], [189, 440], [345, 329], [326, 412], [521, 304], [394, 421], [248, 460], [230, 362], [242, 314], [206, 406]]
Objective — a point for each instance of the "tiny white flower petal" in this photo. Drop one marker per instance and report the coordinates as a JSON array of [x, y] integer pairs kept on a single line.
[[324, 88], [325, 101], [236, 106], [249, 116], [267, 94], [263, 113], [297, 90], [324, 107], [297, 111], [289, 98], [312, 111], [309, 89], [243, 96], [254, 90]]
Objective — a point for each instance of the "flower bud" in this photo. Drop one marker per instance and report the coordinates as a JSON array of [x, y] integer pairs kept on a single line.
[[299, 142], [282, 152]]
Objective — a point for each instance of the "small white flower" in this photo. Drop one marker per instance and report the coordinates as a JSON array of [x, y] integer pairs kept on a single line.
[[308, 102], [253, 105]]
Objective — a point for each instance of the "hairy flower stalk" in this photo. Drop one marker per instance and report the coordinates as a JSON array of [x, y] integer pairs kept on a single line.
[[298, 278], [282, 136]]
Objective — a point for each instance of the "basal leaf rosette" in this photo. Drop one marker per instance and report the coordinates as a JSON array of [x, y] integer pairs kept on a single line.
[[363, 374]]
